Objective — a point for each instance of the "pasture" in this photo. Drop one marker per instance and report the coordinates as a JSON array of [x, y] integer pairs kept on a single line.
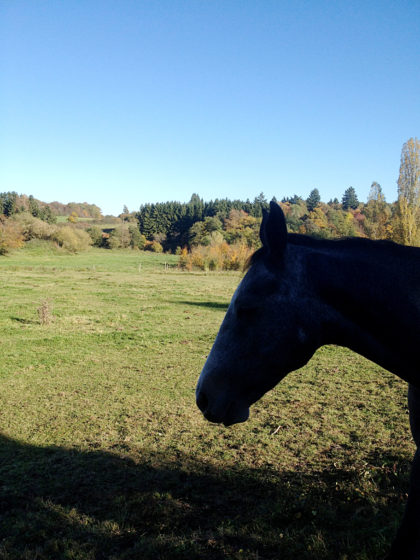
[[104, 455]]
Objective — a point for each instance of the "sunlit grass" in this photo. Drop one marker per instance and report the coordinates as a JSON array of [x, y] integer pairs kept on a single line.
[[105, 455]]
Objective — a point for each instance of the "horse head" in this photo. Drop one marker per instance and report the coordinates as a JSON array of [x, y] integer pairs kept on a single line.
[[267, 332]]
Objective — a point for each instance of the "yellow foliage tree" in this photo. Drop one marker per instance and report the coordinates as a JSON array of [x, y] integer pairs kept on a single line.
[[240, 227], [407, 226], [318, 217], [378, 214], [73, 218]]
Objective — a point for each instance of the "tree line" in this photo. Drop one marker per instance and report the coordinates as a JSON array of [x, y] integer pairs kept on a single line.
[[196, 222], [176, 226], [12, 203]]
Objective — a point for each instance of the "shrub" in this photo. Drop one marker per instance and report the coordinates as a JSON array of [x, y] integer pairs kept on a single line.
[[236, 257], [219, 256], [120, 237], [95, 233], [45, 312], [34, 228], [73, 240], [126, 235], [138, 241], [153, 246], [184, 259], [11, 236]]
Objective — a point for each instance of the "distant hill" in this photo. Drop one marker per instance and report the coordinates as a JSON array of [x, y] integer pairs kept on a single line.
[[23, 203], [82, 209]]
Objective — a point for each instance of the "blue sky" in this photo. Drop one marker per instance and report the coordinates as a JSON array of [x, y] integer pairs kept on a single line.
[[127, 102]]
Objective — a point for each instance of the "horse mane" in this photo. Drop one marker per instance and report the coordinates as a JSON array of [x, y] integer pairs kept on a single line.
[[349, 242], [333, 244]]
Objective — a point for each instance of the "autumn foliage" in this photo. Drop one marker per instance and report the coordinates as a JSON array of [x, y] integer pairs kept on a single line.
[[221, 256], [11, 236]]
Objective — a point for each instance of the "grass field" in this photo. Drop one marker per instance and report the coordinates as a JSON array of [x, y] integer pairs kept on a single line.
[[104, 455], [91, 221]]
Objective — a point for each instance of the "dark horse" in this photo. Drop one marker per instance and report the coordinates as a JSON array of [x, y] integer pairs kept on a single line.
[[299, 294]]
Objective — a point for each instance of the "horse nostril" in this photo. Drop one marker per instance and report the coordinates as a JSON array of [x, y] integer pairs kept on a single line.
[[202, 401]]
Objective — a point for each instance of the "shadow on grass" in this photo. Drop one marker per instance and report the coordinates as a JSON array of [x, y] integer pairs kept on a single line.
[[63, 503], [209, 304], [24, 321]]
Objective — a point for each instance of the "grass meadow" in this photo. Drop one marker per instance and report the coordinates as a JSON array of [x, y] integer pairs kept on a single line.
[[104, 455]]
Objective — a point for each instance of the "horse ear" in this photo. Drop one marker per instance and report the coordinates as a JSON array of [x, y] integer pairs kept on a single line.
[[262, 228], [273, 231]]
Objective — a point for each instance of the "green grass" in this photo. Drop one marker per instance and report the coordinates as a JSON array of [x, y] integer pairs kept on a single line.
[[93, 221], [104, 455], [62, 219]]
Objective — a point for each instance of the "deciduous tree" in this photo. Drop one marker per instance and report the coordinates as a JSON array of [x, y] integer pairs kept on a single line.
[[377, 213], [407, 226]]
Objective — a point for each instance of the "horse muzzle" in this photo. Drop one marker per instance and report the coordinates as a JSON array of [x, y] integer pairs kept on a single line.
[[221, 409]]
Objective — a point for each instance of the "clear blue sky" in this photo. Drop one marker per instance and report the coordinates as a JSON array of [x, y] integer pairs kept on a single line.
[[127, 102]]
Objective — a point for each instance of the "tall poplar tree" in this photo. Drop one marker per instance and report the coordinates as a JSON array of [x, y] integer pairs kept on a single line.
[[408, 210]]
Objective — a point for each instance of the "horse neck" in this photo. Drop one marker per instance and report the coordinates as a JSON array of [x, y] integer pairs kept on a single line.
[[371, 296]]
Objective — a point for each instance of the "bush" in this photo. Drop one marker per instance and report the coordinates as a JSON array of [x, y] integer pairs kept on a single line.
[[45, 312], [126, 235], [96, 235], [73, 240], [120, 237], [34, 228], [219, 256], [11, 236], [153, 246], [184, 259], [138, 241]]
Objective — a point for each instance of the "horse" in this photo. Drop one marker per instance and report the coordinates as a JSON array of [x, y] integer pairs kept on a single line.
[[300, 293]]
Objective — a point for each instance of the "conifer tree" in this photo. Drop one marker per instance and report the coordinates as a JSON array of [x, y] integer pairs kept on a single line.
[[8, 203], [260, 203], [350, 199], [33, 207], [313, 200]]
